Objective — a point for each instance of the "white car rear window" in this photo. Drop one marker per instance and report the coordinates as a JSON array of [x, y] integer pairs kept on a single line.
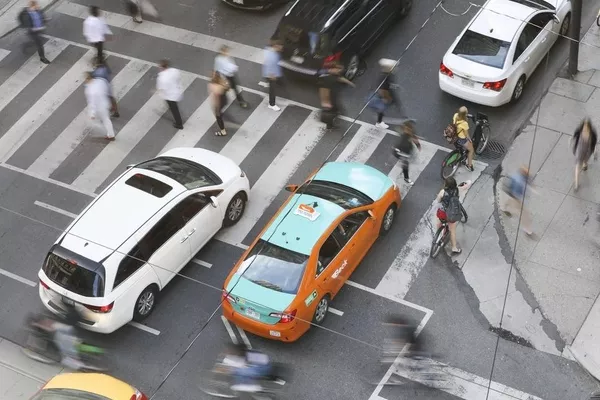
[[482, 49]]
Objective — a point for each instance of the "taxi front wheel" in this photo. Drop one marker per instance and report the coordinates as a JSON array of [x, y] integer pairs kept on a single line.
[[321, 310], [388, 220]]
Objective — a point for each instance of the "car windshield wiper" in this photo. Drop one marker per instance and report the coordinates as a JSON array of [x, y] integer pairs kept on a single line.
[[267, 284]]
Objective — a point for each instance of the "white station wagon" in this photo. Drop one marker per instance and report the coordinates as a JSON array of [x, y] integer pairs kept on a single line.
[[125, 247], [494, 56]]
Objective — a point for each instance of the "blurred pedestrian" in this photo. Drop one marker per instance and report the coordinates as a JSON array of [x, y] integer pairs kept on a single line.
[[217, 89], [272, 70], [584, 145], [138, 7], [406, 147], [226, 66], [34, 20], [384, 97], [515, 189], [330, 80], [169, 86], [463, 139], [102, 71], [96, 31], [97, 96]]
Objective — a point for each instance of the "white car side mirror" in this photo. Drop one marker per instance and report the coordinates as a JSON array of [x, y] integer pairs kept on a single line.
[[214, 202], [556, 19]]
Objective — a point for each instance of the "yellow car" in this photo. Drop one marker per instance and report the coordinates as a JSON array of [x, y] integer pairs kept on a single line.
[[78, 386]]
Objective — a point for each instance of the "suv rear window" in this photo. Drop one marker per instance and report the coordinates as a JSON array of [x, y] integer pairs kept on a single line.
[[149, 185], [315, 43], [74, 277], [189, 174], [482, 49]]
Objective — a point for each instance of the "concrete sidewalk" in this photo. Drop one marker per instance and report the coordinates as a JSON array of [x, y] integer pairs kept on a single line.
[[10, 9], [20, 376]]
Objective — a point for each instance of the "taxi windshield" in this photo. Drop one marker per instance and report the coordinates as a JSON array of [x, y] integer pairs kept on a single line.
[[342, 195], [274, 267]]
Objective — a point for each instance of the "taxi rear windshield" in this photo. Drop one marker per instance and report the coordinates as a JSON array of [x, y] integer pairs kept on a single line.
[[274, 267], [73, 277], [342, 195]]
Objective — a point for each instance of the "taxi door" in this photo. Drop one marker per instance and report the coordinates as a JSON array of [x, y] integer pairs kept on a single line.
[[360, 232], [333, 258]]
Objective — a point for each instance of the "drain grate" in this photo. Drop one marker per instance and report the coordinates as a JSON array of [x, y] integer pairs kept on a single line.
[[493, 150]]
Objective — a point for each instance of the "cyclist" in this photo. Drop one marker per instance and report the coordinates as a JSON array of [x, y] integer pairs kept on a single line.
[[460, 121], [249, 368], [449, 197]]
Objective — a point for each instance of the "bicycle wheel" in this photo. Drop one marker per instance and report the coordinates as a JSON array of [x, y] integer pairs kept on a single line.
[[486, 132], [216, 384], [464, 217], [438, 242], [451, 163]]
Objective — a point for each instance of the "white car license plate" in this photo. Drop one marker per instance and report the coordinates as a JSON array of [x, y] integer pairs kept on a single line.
[[239, 2], [251, 313], [297, 60], [275, 333], [68, 302], [468, 82]]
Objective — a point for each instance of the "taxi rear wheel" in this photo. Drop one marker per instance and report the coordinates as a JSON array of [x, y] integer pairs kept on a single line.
[[388, 220], [321, 310]]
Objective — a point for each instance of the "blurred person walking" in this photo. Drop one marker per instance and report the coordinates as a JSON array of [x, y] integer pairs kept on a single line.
[[96, 31], [406, 147], [384, 97], [226, 66], [138, 7], [271, 70], [102, 71], [34, 20], [97, 95], [168, 85], [217, 89], [330, 79], [515, 189], [584, 142]]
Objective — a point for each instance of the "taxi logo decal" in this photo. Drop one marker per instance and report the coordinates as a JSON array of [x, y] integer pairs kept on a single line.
[[311, 297], [307, 211], [338, 271]]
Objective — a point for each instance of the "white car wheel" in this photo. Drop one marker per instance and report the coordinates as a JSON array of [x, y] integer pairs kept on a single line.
[[519, 87], [235, 209]]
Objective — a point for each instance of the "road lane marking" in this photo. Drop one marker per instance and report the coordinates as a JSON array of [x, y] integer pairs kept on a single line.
[[4, 53], [201, 263], [229, 330], [144, 328], [263, 84], [391, 298], [18, 278], [362, 145], [55, 209], [335, 311], [244, 337]]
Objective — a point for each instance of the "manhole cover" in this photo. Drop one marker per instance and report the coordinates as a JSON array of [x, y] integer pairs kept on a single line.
[[493, 150]]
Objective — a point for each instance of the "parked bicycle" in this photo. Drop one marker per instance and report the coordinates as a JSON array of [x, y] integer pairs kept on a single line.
[[458, 157], [442, 236]]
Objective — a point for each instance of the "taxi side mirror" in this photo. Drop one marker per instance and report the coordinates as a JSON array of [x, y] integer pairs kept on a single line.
[[372, 215], [291, 188]]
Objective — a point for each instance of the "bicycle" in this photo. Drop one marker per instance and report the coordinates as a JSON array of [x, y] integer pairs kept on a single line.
[[441, 237], [481, 133]]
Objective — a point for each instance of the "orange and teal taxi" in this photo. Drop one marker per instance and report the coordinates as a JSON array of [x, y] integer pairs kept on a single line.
[[88, 386], [305, 254]]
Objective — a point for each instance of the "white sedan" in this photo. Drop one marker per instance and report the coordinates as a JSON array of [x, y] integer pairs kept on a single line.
[[494, 56], [134, 238]]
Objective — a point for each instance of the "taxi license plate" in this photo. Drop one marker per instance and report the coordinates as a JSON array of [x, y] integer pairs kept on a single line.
[[251, 313], [468, 82], [275, 333], [297, 60], [239, 2], [68, 302]]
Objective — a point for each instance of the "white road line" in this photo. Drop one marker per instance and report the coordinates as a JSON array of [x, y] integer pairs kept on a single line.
[[18, 278], [81, 126], [263, 84], [244, 337], [335, 311], [144, 328], [202, 263], [4, 53], [391, 298], [418, 163], [274, 178], [183, 36], [197, 125], [27, 72], [362, 145], [55, 209], [229, 330], [112, 155], [44, 107], [251, 131]]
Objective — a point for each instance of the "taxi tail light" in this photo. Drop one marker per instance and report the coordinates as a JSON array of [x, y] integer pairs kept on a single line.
[[44, 285], [284, 318], [495, 86], [332, 58], [138, 396], [228, 297], [101, 309], [445, 70]]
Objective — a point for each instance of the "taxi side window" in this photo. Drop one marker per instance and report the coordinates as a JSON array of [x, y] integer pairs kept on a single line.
[[330, 249], [351, 224]]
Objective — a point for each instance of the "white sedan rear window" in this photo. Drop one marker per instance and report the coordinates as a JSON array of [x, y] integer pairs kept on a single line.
[[482, 49]]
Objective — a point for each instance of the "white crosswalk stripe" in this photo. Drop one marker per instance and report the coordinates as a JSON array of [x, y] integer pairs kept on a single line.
[[3, 54], [362, 145]]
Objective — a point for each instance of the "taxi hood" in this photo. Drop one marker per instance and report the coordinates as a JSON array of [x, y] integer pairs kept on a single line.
[[258, 296]]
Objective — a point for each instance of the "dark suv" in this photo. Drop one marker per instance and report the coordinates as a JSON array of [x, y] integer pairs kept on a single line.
[[315, 32]]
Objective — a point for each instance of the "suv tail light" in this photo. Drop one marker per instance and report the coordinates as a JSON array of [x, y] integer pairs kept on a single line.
[[138, 396], [44, 284], [284, 318], [332, 58], [101, 309], [228, 297], [445, 70], [495, 86]]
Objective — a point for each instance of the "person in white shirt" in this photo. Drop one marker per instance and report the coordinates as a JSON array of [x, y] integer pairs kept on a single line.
[[97, 96], [225, 65], [168, 85], [95, 31]]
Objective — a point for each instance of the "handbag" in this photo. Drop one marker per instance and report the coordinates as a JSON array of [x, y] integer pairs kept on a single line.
[[376, 103]]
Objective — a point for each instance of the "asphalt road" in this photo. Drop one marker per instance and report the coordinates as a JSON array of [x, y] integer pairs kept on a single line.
[[339, 362]]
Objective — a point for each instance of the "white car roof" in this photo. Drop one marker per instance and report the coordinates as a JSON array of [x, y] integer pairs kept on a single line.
[[501, 19]]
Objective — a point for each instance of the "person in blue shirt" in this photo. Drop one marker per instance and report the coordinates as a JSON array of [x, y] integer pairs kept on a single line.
[[515, 189], [33, 19], [271, 70], [101, 70]]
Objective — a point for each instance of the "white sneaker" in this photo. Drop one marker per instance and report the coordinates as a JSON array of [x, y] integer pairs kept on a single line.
[[246, 388], [409, 182], [275, 108], [382, 125]]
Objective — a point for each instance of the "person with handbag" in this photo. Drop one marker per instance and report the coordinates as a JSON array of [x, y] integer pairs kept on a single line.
[[384, 97], [405, 148], [329, 82], [584, 142]]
